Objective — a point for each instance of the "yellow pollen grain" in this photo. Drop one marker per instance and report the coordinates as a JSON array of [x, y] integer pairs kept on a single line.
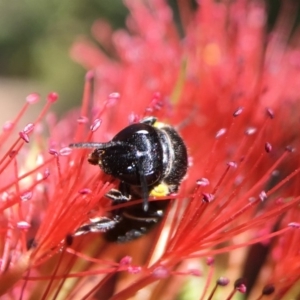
[[212, 54], [160, 190]]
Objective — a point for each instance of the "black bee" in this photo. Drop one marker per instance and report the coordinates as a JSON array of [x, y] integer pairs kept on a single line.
[[150, 159]]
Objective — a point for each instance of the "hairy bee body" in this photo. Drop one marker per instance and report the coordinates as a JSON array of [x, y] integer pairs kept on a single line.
[[150, 159]]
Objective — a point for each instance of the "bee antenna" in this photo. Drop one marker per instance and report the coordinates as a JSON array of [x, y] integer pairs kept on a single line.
[[93, 145], [144, 186]]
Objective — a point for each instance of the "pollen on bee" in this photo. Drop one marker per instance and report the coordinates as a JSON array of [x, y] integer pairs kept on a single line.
[[160, 190]]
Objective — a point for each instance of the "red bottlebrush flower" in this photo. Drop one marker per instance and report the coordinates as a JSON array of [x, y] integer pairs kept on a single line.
[[230, 90]]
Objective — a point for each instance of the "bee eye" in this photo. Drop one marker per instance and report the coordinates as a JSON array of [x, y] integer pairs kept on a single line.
[[145, 157]]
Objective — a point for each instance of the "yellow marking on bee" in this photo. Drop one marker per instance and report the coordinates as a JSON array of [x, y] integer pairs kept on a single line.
[[159, 125], [159, 191]]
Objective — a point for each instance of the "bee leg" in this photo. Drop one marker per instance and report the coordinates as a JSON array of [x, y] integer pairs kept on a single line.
[[120, 195], [103, 224], [145, 192], [97, 225]]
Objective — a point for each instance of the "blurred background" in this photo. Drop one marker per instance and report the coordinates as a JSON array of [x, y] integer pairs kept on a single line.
[[35, 38]]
